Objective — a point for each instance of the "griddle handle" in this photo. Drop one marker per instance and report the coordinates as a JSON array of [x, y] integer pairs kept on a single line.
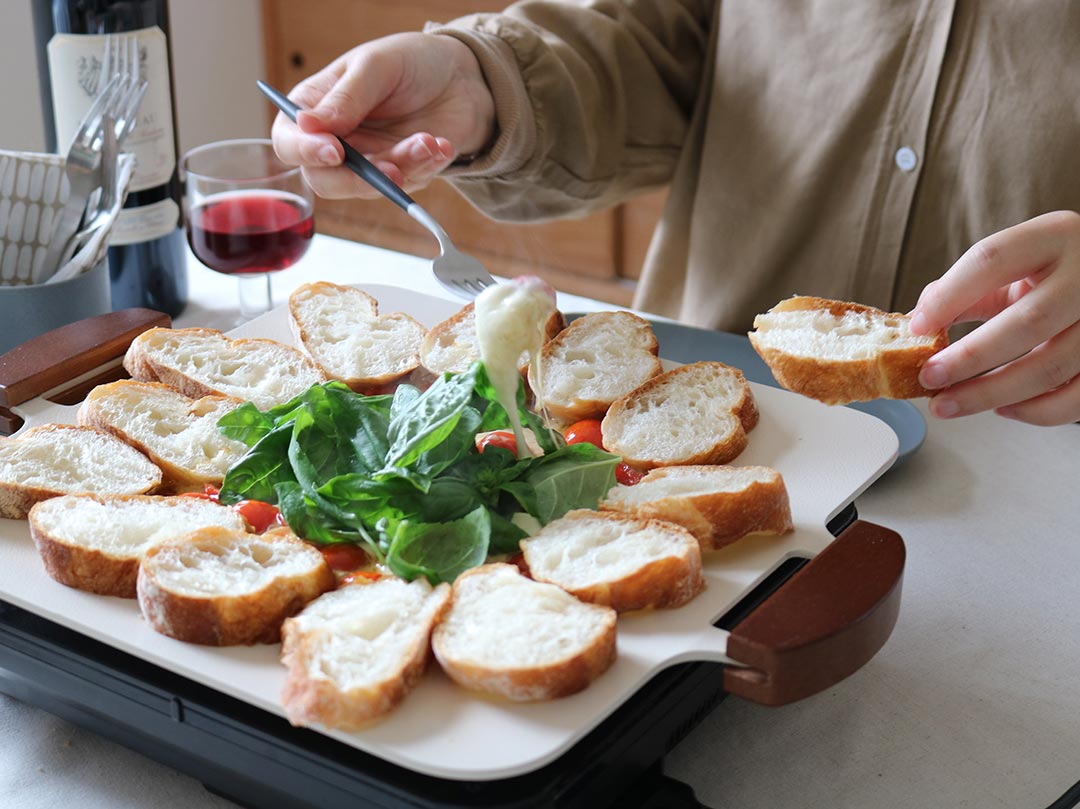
[[824, 623], [68, 352]]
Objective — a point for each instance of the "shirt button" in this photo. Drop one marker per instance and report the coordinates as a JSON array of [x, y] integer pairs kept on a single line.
[[906, 159]]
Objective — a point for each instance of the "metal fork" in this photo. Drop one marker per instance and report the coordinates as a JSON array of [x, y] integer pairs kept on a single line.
[[83, 170], [461, 274], [117, 120]]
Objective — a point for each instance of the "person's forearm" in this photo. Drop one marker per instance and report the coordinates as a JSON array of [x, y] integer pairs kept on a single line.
[[592, 101]]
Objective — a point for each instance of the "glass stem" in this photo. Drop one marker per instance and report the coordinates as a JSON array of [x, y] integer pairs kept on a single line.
[[256, 296]]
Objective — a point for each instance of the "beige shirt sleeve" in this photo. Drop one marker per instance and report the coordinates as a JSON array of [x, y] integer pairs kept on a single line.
[[593, 101]]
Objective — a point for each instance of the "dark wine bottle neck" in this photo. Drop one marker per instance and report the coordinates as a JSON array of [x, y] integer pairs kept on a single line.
[[109, 16]]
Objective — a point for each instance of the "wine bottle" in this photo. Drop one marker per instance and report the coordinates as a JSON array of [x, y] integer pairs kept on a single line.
[[147, 255]]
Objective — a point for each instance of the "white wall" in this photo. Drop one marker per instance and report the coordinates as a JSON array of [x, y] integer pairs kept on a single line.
[[217, 55]]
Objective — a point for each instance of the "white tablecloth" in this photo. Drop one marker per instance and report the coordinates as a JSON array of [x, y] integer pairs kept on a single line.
[[973, 702]]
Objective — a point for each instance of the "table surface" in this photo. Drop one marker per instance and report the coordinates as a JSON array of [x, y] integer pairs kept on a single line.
[[971, 703]]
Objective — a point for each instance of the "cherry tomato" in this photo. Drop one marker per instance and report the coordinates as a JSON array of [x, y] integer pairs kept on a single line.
[[518, 559], [259, 515], [361, 577], [345, 556], [627, 475], [586, 431], [209, 492], [499, 438]]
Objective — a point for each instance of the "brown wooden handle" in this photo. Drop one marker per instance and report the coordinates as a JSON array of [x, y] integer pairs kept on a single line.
[[825, 623], [52, 358]]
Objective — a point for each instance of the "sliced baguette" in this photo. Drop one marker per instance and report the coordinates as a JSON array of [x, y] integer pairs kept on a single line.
[[717, 504], [95, 542], [452, 346], [341, 329], [524, 640], [177, 433], [56, 459], [354, 654], [694, 414], [223, 587], [838, 352], [204, 362], [617, 560], [594, 361]]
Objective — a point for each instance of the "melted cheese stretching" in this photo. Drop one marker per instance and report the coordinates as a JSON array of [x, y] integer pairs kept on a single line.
[[510, 321]]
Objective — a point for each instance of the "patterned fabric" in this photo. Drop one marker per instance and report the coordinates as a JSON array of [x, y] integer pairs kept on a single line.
[[33, 189]]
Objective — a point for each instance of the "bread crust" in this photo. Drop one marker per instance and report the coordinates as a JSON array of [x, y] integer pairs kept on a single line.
[[87, 569], [17, 498], [306, 339], [661, 584], [310, 700], [579, 407], [543, 681], [222, 619], [175, 477], [728, 439], [90, 569], [889, 373], [144, 366], [716, 519]]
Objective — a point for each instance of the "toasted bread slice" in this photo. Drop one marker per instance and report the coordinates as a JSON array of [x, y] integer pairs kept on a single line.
[[717, 504], [57, 459], [617, 560], [204, 362], [452, 346], [694, 414], [524, 640], [838, 352], [95, 542], [177, 433], [223, 587], [341, 329], [355, 653], [594, 361]]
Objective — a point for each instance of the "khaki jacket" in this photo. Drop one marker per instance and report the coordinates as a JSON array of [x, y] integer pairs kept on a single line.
[[845, 148]]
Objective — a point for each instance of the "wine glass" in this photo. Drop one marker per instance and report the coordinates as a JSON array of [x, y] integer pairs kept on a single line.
[[247, 213]]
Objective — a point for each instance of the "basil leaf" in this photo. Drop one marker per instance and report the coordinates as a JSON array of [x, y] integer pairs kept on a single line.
[[440, 551], [576, 476], [505, 535], [266, 464], [246, 423], [460, 441], [307, 520], [424, 421]]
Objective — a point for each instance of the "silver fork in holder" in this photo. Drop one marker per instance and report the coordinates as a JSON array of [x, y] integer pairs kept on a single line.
[[461, 274], [83, 170]]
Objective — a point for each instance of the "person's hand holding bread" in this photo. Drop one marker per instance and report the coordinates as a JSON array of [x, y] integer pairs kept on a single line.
[[1024, 361]]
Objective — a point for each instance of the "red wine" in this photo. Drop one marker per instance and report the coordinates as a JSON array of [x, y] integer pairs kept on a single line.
[[250, 231], [147, 259]]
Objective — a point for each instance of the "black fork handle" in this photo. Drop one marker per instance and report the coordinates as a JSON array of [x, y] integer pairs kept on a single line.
[[356, 162]]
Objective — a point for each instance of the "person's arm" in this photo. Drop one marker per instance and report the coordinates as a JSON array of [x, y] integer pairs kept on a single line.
[[1024, 361], [592, 100]]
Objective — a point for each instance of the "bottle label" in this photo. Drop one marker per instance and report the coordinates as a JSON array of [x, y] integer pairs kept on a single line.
[[145, 223], [75, 68]]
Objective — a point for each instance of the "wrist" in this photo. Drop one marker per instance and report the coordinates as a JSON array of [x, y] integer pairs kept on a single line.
[[480, 100]]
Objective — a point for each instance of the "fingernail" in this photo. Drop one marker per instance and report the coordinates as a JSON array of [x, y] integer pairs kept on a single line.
[[328, 154], [421, 152], [933, 376], [918, 323], [945, 408]]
